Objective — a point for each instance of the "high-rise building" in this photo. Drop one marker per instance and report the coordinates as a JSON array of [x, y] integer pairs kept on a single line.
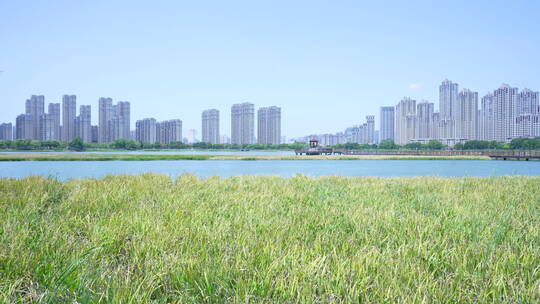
[[424, 120], [527, 102], [84, 124], [527, 115], [448, 93], [486, 119], [23, 126], [467, 115], [69, 113], [95, 134], [169, 131], [35, 108], [6, 131], [145, 130], [48, 127], [387, 119], [105, 115], [114, 120], [504, 115], [123, 113], [210, 126], [243, 123], [54, 112], [370, 129], [269, 125], [405, 125]]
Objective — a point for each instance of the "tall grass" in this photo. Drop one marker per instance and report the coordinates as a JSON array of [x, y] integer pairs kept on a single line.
[[148, 238]]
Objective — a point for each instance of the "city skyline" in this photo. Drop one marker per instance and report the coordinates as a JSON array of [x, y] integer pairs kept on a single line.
[[312, 58], [460, 116]]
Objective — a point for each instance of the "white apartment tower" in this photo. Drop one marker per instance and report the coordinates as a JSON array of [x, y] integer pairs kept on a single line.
[[387, 119], [54, 111], [467, 115], [6, 131], [269, 125], [210, 126], [370, 129], [145, 130], [504, 112], [69, 112], [35, 108], [169, 131], [448, 93], [84, 121], [105, 115], [242, 123], [424, 120], [528, 115], [486, 126], [405, 124]]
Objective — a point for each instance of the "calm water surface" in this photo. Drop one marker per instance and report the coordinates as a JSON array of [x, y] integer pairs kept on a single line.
[[381, 168]]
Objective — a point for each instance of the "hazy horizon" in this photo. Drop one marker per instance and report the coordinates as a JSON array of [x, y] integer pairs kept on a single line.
[[326, 64]]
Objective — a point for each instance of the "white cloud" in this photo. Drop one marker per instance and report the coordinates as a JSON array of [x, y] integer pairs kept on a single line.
[[415, 86]]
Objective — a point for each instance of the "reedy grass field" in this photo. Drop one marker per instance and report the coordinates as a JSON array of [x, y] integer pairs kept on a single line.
[[148, 238], [74, 156]]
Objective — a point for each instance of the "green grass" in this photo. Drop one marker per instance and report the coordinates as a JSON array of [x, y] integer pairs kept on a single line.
[[149, 157], [148, 238]]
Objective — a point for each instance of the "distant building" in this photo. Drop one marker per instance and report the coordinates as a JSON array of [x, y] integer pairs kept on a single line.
[[424, 120], [504, 114], [54, 112], [145, 130], [69, 113], [448, 107], [6, 131], [467, 115], [387, 119], [84, 124], [23, 127], [114, 120], [95, 134], [122, 111], [370, 129], [210, 126], [105, 115], [48, 127], [242, 123], [35, 108], [527, 115], [405, 125], [269, 125], [169, 131]]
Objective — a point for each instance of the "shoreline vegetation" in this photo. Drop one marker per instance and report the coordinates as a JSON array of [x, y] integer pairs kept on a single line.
[[149, 238], [516, 144], [81, 156]]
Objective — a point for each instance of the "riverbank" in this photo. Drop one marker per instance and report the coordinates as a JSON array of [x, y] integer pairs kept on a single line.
[[149, 157], [150, 238]]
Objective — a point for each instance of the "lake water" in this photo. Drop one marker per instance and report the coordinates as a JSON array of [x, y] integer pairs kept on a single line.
[[64, 170]]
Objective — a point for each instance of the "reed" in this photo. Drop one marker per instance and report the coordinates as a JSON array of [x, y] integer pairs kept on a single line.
[[149, 238]]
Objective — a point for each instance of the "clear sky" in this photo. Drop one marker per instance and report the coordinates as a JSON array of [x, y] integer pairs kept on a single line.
[[327, 64]]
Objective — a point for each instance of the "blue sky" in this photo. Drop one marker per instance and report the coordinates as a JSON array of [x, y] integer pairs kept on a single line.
[[328, 64]]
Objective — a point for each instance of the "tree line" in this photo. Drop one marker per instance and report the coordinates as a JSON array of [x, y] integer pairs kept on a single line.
[[126, 144]]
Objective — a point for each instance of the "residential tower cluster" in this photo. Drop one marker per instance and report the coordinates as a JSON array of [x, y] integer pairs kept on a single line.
[[62, 123]]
